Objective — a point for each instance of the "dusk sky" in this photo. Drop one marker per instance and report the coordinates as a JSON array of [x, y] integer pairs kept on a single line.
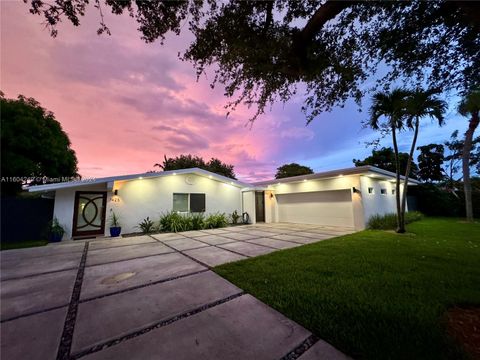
[[125, 104]]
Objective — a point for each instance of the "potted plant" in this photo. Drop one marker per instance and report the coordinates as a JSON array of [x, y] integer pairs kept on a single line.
[[115, 228], [56, 231]]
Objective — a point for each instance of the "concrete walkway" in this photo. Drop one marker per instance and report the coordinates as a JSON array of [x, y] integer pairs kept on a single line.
[[150, 297]]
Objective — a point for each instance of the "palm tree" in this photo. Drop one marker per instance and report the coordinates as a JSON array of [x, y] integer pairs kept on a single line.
[[469, 106], [392, 107], [419, 104]]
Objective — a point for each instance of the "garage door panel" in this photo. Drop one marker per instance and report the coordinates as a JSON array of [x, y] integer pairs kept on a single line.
[[322, 207]]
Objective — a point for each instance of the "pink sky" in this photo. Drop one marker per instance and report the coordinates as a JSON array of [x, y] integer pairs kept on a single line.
[[125, 104]]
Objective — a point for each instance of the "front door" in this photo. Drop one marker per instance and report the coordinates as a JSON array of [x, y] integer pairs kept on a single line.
[[89, 213], [260, 206]]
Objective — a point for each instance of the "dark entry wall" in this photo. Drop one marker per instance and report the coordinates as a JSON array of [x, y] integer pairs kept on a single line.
[[25, 219]]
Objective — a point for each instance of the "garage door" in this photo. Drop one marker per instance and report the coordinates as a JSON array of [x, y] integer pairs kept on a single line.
[[321, 207]]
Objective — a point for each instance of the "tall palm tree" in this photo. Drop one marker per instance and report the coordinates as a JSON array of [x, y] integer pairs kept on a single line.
[[419, 104], [392, 107], [469, 106]]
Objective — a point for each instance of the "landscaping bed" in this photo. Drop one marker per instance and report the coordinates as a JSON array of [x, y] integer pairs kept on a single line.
[[374, 294]]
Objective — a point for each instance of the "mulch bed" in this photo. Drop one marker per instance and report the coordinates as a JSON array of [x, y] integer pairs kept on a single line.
[[464, 327]]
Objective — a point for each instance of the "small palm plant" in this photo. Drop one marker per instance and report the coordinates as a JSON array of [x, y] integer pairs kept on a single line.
[[147, 226]]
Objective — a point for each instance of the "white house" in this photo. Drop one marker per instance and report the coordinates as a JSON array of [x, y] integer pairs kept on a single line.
[[346, 197]]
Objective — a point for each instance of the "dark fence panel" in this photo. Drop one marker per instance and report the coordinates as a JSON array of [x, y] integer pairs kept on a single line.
[[25, 219]]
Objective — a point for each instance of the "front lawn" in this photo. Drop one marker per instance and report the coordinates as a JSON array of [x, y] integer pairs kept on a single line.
[[22, 244], [373, 294]]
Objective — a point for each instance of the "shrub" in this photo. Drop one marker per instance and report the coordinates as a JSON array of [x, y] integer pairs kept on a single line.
[[389, 221], [216, 221], [235, 217], [147, 226], [173, 222], [196, 221]]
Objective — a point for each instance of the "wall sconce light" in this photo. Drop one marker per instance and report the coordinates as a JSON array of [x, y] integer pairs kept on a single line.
[[115, 192], [355, 190], [271, 195]]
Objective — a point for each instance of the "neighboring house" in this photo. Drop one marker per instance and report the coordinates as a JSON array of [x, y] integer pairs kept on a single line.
[[346, 197]]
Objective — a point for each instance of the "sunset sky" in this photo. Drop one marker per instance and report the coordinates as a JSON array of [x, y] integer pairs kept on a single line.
[[125, 104]]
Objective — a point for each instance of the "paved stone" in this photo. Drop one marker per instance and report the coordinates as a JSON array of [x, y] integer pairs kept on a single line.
[[243, 328], [33, 337], [277, 244], [238, 228], [114, 242], [240, 236], [193, 233], [20, 267], [247, 249], [168, 236], [323, 350], [185, 244], [101, 256], [213, 256], [107, 278], [215, 239], [36, 293], [215, 231], [286, 237], [50, 249], [258, 233], [127, 312]]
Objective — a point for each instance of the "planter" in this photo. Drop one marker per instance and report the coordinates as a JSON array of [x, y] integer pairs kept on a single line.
[[115, 231], [55, 237]]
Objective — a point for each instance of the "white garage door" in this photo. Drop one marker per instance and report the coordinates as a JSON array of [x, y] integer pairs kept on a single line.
[[321, 207]]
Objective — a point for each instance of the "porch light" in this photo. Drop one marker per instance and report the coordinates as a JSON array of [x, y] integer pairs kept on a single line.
[[115, 192], [140, 178], [305, 180], [271, 195], [209, 176], [174, 174], [355, 190], [341, 175]]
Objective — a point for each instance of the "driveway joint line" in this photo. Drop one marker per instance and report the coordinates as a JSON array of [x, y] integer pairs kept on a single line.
[[301, 348], [183, 253], [156, 325], [69, 325], [39, 274], [33, 313], [143, 286], [218, 247], [133, 258]]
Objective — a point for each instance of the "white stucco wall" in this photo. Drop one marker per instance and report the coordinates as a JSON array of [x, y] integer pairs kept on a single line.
[[249, 205], [65, 202], [154, 196], [377, 203]]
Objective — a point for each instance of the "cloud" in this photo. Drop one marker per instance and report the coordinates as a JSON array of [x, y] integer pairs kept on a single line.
[[297, 133]]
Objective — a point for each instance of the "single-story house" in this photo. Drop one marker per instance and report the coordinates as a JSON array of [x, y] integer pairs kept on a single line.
[[346, 197]]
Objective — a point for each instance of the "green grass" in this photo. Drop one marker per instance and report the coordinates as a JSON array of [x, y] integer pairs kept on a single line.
[[22, 245], [373, 294]]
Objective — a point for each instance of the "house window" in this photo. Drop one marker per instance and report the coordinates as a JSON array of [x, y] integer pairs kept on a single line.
[[370, 190], [180, 202], [197, 203], [393, 191], [383, 191], [189, 202]]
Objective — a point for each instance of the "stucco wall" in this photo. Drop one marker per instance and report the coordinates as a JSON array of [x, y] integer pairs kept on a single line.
[[152, 197], [376, 203], [249, 205], [65, 202]]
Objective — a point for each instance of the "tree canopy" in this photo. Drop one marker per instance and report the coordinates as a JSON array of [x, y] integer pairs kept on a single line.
[[292, 169], [263, 50], [384, 158], [34, 145], [190, 161], [430, 162]]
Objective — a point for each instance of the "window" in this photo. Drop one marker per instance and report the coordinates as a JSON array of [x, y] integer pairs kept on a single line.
[[180, 202], [189, 202], [393, 191], [197, 202], [370, 190], [383, 191]]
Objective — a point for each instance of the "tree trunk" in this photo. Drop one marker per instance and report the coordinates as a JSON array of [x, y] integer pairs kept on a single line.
[[407, 171], [467, 147], [400, 220]]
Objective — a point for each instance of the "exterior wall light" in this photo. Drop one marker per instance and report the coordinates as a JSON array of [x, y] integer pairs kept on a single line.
[[271, 195], [115, 192], [355, 190]]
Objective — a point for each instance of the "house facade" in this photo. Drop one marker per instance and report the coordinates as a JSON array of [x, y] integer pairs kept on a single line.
[[346, 197]]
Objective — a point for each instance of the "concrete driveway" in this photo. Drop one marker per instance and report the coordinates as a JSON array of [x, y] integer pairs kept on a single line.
[[150, 297]]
